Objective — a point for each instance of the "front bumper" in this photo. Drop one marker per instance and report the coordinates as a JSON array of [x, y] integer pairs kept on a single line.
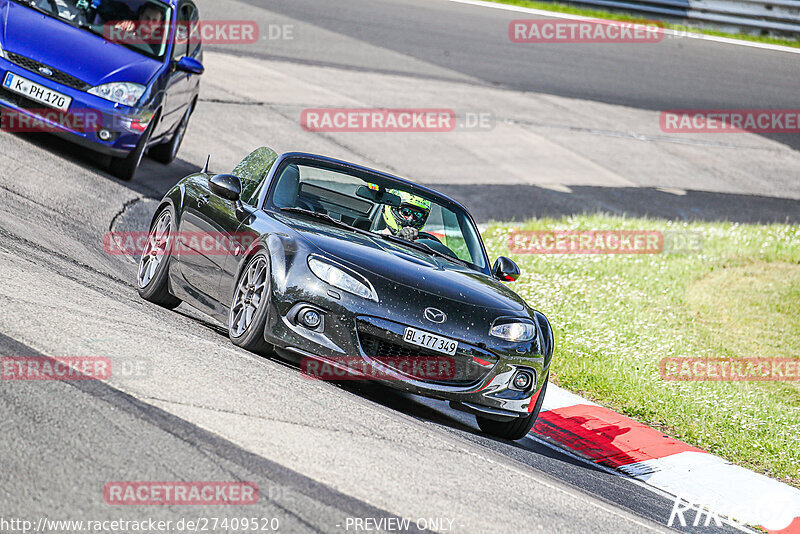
[[484, 367], [110, 116]]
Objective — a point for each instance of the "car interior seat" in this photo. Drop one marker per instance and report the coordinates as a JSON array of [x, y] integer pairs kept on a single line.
[[285, 194]]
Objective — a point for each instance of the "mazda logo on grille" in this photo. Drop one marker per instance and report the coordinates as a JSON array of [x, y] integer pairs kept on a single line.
[[434, 315], [45, 71]]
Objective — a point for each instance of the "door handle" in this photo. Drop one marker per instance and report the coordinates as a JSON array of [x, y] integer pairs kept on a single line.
[[202, 201]]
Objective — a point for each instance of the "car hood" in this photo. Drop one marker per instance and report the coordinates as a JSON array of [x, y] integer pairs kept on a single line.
[[77, 52], [388, 265]]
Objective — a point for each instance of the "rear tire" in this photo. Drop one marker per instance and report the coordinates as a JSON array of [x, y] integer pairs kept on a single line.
[[153, 272], [167, 152], [248, 313], [519, 428]]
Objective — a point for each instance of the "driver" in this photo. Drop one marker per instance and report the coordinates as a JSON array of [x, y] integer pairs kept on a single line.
[[408, 219], [147, 27]]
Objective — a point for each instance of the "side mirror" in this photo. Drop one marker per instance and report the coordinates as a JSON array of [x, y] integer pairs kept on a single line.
[[190, 65], [505, 269], [226, 186]]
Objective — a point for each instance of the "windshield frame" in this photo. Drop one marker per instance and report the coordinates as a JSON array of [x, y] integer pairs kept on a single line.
[[168, 20], [369, 176]]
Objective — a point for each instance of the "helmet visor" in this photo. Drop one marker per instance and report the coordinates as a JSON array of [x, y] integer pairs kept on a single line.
[[412, 215]]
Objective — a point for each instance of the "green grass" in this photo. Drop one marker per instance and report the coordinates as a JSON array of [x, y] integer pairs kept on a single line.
[[616, 316], [601, 14]]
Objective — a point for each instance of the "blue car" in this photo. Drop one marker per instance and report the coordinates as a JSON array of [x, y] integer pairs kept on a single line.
[[132, 66]]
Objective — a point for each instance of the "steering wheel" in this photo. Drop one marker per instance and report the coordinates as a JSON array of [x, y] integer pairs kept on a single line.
[[426, 235]]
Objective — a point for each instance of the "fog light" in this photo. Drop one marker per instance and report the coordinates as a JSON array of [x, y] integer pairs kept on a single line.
[[522, 380], [104, 135], [310, 318]]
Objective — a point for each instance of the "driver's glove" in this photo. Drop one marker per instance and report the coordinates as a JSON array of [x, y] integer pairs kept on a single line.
[[409, 233]]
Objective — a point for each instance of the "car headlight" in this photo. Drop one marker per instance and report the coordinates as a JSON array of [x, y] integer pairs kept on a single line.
[[337, 277], [514, 331], [2, 54], [124, 93]]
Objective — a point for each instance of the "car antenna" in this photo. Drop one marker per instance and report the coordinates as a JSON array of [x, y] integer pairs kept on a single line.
[[205, 168]]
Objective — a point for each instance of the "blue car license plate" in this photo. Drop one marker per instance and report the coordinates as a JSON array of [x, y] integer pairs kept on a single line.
[[36, 92]]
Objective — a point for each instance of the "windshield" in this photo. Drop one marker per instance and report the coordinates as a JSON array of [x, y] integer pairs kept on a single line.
[[141, 25], [381, 206]]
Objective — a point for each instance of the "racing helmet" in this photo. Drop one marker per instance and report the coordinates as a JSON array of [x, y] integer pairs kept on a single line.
[[413, 211]]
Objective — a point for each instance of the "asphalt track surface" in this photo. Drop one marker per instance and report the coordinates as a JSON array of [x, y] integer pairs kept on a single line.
[[200, 409], [441, 41], [672, 74]]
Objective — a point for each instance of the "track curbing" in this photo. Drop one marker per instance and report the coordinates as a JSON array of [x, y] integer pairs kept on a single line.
[[607, 438]]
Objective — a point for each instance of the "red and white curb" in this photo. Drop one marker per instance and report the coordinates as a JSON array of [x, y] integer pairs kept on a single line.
[[614, 441]]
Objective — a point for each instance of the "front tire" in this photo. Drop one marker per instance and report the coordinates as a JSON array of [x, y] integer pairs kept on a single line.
[[248, 313], [167, 152], [519, 428], [125, 168], [152, 274]]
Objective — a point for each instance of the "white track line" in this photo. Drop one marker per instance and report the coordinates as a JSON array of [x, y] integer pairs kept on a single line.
[[673, 33]]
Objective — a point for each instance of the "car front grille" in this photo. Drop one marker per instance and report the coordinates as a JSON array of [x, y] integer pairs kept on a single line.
[[17, 100], [57, 76], [376, 347], [401, 357]]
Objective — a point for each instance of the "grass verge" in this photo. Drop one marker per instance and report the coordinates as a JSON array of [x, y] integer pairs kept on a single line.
[[601, 14], [616, 316]]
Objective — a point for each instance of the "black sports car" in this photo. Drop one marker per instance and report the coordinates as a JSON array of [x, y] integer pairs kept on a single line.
[[357, 273]]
